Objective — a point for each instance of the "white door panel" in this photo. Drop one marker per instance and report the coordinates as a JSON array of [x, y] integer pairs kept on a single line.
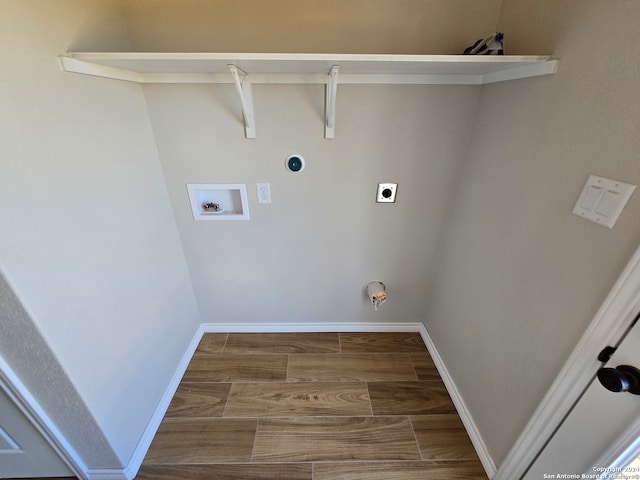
[[596, 422], [23, 451]]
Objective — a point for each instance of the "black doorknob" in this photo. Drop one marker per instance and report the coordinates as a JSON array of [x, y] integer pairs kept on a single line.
[[623, 378]]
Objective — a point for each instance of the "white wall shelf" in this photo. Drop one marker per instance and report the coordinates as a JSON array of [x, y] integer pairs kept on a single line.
[[144, 67], [244, 69]]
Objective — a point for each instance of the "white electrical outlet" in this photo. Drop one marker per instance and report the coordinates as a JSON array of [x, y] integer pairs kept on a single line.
[[386, 192], [264, 192]]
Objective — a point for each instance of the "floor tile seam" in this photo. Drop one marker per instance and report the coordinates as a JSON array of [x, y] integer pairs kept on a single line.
[[284, 352], [212, 418], [257, 418], [286, 370], [230, 463], [251, 382], [415, 437], [226, 340], [295, 380], [316, 415], [244, 354], [352, 353], [292, 419], [369, 398], [436, 415], [282, 417], [192, 382], [297, 462], [290, 382], [226, 400], [255, 436], [333, 461], [409, 381], [399, 460], [403, 352], [324, 416], [413, 365], [267, 382]]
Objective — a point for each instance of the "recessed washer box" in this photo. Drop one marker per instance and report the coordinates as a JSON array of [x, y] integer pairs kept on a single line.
[[218, 201]]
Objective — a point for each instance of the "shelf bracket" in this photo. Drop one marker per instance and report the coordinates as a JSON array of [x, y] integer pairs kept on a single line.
[[330, 102], [243, 86]]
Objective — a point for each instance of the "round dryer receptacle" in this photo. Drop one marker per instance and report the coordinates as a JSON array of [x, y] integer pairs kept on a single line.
[[295, 163]]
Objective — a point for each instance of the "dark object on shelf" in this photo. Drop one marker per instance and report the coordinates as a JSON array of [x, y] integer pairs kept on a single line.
[[492, 45]]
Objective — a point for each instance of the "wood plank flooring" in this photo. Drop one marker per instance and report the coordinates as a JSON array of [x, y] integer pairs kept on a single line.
[[313, 406]]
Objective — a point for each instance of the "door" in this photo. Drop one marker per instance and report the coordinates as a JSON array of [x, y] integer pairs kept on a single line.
[[24, 452], [582, 446]]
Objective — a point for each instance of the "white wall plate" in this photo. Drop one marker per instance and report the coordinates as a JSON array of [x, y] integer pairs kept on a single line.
[[602, 200], [387, 192]]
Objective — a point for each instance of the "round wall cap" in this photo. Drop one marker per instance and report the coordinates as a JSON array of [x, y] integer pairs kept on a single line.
[[295, 163]]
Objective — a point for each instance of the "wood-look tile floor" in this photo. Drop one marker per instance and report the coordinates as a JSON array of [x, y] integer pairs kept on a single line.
[[313, 406]]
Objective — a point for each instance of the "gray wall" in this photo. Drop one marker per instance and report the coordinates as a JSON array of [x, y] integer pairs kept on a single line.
[[520, 276], [88, 241], [319, 26], [308, 256]]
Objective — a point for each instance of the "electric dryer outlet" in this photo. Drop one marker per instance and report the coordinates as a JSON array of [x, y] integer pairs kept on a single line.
[[387, 192]]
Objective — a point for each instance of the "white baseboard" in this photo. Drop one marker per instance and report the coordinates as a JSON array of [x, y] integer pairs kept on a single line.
[[472, 430], [309, 327], [154, 423], [152, 427]]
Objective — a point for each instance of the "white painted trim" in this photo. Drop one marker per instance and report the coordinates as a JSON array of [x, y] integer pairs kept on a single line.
[[472, 429], [607, 328], [243, 87], [107, 474], [546, 68], [309, 327], [157, 67], [154, 423], [152, 426], [28, 405], [69, 64], [331, 90], [622, 452]]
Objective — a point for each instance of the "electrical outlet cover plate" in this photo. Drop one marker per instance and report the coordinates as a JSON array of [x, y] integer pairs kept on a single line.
[[264, 193], [387, 192]]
